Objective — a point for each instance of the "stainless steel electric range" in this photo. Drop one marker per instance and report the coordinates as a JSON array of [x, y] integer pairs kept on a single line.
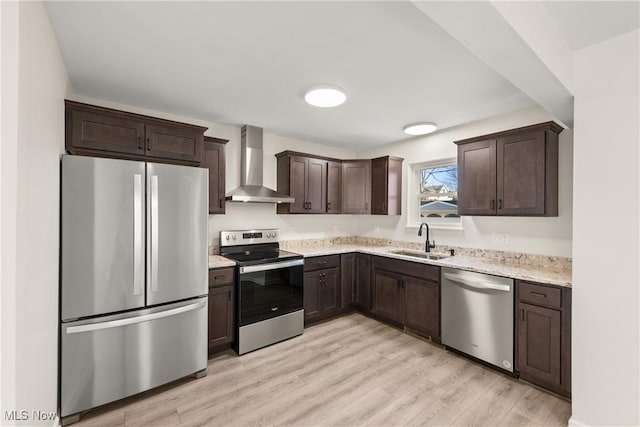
[[269, 288]]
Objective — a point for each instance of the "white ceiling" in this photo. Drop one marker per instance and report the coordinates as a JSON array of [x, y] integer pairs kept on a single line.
[[587, 22], [250, 62]]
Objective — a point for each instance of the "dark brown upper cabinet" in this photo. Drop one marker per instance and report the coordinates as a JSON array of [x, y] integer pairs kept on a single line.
[[356, 186], [303, 178], [386, 186], [334, 187], [100, 131], [511, 173], [214, 160]]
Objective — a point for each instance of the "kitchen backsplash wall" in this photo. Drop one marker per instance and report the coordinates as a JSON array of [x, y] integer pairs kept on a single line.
[[544, 236]]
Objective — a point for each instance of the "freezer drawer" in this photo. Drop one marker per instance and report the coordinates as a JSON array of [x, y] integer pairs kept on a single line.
[[108, 358]]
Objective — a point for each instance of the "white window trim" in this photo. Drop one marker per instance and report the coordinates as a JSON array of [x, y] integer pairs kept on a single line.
[[413, 220]]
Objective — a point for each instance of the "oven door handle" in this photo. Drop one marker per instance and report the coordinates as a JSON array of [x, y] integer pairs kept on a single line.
[[271, 266]]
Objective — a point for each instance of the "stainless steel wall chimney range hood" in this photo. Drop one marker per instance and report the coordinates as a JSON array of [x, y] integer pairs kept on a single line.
[[251, 188]]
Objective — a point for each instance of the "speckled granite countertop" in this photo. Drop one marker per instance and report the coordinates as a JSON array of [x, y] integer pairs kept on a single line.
[[559, 274], [217, 261]]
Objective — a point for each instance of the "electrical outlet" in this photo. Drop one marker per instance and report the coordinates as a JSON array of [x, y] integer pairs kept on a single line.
[[376, 230], [500, 238]]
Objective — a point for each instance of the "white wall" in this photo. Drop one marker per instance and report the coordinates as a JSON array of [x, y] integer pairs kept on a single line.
[[257, 215], [249, 215], [31, 224], [547, 236], [606, 292]]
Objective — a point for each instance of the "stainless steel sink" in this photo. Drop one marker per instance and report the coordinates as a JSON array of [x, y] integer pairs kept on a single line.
[[423, 255]]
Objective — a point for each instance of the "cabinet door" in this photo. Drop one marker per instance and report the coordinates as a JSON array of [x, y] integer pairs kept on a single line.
[[356, 187], [316, 186], [298, 184], [214, 160], [87, 131], [173, 142], [347, 276], [363, 281], [334, 187], [477, 178], [539, 344], [329, 291], [379, 186], [521, 174], [312, 295], [221, 315], [422, 306], [387, 295]]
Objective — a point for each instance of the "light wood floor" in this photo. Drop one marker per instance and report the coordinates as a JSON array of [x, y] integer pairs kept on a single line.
[[350, 371]]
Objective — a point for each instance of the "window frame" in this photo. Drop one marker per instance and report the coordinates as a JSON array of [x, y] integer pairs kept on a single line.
[[413, 195]]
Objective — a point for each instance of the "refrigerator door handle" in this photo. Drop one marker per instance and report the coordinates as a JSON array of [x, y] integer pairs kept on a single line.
[[154, 233], [138, 263], [132, 320]]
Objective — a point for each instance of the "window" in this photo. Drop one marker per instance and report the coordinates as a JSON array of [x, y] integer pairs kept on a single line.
[[437, 193]]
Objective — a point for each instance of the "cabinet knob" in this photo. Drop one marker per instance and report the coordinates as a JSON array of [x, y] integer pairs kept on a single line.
[[140, 147], [328, 206], [149, 145], [220, 203], [499, 203], [493, 204]]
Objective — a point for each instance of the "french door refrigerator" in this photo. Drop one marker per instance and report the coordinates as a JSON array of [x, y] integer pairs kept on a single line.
[[133, 283]]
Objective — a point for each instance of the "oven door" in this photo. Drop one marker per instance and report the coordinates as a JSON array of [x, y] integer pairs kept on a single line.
[[269, 290]]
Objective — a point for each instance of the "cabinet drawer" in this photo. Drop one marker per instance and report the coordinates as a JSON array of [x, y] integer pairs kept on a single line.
[[321, 262], [408, 268], [539, 294], [221, 276]]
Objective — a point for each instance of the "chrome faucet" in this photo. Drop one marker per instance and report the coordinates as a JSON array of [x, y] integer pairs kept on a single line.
[[427, 245]]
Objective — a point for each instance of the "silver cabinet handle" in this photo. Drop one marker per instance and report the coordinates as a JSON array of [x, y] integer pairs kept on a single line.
[[271, 266], [154, 233], [133, 320], [137, 235], [475, 283]]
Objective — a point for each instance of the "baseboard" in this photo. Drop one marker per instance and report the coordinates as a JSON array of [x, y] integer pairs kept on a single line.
[[575, 423]]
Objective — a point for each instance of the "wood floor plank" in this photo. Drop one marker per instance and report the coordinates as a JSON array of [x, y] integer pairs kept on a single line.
[[350, 371], [494, 405]]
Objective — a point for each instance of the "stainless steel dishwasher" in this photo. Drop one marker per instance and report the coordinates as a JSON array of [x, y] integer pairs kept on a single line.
[[477, 316]]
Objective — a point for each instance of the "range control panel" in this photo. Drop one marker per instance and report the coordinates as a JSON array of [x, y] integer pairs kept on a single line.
[[248, 237]]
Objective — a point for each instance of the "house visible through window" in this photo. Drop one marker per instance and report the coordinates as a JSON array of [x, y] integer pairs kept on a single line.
[[438, 194]]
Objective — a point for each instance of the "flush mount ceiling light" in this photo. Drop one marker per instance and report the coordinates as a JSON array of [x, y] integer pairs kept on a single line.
[[422, 128], [325, 96]]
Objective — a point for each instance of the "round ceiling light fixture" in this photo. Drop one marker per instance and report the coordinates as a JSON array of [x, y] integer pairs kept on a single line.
[[422, 128], [325, 96]]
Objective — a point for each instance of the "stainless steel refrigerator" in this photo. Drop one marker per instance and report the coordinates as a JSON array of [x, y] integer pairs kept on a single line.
[[133, 283]]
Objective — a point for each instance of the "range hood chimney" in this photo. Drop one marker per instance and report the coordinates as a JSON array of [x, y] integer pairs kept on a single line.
[[251, 188]]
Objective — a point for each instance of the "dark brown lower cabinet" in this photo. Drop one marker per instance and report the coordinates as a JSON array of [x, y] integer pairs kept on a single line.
[[408, 294], [221, 315], [363, 282], [321, 288], [388, 295], [347, 281], [422, 306], [221, 309], [544, 336]]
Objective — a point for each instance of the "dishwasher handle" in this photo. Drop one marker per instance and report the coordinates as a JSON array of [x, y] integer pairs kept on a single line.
[[476, 283]]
